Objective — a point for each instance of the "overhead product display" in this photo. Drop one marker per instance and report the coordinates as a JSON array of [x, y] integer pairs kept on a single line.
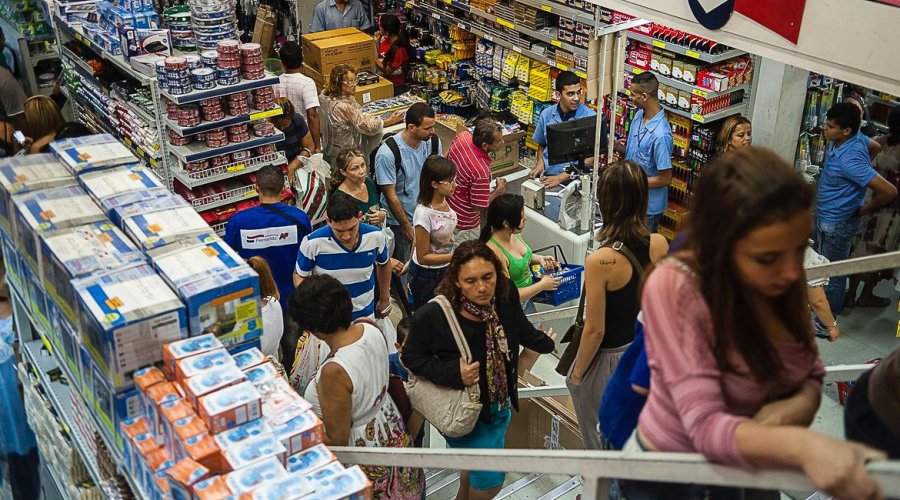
[[139, 332]]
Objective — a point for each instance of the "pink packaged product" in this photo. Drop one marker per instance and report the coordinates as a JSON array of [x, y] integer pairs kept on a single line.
[[230, 407]]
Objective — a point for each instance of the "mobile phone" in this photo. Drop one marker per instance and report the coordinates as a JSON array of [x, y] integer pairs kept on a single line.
[[19, 137]]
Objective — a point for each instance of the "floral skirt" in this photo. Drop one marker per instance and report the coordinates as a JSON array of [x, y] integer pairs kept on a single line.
[[387, 430]]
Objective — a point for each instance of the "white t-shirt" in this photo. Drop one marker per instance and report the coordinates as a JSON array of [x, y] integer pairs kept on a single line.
[[440, 226], [273, 326], [300, 90]]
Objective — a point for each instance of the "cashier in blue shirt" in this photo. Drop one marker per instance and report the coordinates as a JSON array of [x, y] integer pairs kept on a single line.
[[570, 107], [846, 176], [650, 144]]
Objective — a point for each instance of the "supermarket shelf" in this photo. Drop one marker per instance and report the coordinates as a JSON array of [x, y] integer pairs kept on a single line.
[[715, 115], [682, 85], [193, 179], [479, 32], [681, 50], [199, 151], [221, 199], [560, 10], [118, 61], [228, 121], [140, 112], [60, 397], [153, 159], [219, 228], [199, 95], [878, 126], [43, 57]]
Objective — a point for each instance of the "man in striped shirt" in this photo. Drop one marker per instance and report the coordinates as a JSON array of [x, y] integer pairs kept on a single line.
[[352, 252], [471, 154]]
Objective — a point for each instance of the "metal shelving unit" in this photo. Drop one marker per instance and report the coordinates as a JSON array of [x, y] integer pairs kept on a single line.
[[198, 151], [687, 87], [243, 86], [684, 51], [227, 122], [221, 199], [560, 10], [192, 180]]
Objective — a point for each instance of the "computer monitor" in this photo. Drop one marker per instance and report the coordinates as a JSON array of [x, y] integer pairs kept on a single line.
[[573, 140]]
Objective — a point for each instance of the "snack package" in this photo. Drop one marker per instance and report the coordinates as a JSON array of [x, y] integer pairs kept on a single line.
[[301, 432], [248, 478], [311, 459], [238, 435], [230, 407], [254, 450]]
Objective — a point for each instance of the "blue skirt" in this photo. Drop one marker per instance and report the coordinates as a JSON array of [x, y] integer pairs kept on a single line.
[[490, 434]]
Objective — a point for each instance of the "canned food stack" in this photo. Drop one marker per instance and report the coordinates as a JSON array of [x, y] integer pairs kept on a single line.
[[212, 110], [238, 133], [217, 138], [228, 62], [237, 104], [240, 156], [203, 78], [263, 98], [213, 21], [219, 161], [266, 150], [178, 75], [263, 129], [178, 20], [252, 61], [209, 58]]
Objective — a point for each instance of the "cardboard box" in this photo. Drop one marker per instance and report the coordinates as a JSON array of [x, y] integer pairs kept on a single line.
[[311, 459], [264, 29], [183, 475], [238, 435], [291, 486], [220, 290], [254, 450], [300, 433], [194, 365], [209, 381], [230, 407], [80, 251], [543, 423], [189, 347], [324, 50], [105, 185], [82, 154], [24, 174], [506, 160], [351, 483], [593, 86], [114, 406], [152, 228], [40, 212], [127, 316], [248, 478], [384, 89]]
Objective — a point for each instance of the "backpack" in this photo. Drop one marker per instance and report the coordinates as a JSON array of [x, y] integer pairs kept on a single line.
[[391, 142]]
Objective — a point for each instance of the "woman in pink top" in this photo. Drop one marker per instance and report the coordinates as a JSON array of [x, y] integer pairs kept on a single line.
[[735, 373]]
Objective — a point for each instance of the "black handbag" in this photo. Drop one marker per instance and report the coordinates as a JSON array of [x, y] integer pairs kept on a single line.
[[573, 334]]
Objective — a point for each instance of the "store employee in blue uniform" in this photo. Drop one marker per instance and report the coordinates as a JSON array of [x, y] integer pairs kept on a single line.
[[650, 144], [272, 230], [570, 107]]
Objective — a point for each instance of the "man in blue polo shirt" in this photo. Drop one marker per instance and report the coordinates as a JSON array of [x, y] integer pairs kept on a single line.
[[334, 14], [352, 252], [570, 107], [842, 188], [271, 230], [650, 144]]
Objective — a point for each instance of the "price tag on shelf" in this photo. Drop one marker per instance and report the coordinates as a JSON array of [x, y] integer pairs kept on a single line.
[[551, 62], [699, 93], [409, 5], [696, 117], [580, 74], [636, 71], [517, 49], [691, 53], [448, 2], [265, 114], [658, 44], [127, 141], [898, 329], [250, 194], [556, 43], [235, 168], [435, 15], [461, 26], [546, 8], [562, 66], [504, 22]]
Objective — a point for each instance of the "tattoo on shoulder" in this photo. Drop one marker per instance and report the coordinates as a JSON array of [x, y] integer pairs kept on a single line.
[[604, 262]]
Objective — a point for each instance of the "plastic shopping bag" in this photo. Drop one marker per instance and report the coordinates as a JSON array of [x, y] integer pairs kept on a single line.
[[307, 359]]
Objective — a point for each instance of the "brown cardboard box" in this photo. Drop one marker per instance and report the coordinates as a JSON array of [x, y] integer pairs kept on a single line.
[[506, 160], [324, 50], [365, 94], [593, 84], [594, 64], [264, 29], [533, 426]]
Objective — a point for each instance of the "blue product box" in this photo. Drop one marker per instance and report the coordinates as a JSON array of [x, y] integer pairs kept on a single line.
[[114, 407], [79, 251], [151, 228], [82, 154], [116, 205], [49, 210], [291, 486], [127, 315], [11, 261], [86, 376], [24, 174], [102, 185], [37, 301], [77, 11], [220, 290], [70, 340]]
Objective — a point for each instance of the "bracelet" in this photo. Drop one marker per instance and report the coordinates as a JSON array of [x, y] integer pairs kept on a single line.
[[833, 325]]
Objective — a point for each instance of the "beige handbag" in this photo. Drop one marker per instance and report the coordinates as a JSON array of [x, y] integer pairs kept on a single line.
[[453, 412]]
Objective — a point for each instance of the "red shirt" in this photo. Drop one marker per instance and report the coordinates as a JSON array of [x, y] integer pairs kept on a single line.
[[473, 181], [399, 61]]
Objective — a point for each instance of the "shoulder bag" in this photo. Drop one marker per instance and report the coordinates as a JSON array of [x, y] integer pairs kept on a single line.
[[573, 334], [453, 412]]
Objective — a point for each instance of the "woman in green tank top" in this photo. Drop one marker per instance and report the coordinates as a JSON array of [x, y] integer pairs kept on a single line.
[[502, 233]]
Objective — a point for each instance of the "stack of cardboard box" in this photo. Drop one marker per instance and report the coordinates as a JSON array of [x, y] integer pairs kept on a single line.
[[324, 50], [595, 56]]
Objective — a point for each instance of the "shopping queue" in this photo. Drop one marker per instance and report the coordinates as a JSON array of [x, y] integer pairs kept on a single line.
[[703, 381]]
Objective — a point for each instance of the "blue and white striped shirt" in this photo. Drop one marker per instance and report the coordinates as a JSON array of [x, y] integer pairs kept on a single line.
[[321, 253]]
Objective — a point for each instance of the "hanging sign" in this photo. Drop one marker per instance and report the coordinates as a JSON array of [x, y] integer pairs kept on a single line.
[[784, 17]]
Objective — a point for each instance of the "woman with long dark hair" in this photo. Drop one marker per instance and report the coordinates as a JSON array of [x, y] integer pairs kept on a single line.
[[393, 51], [611, 289], [735, 373], [486, 305]]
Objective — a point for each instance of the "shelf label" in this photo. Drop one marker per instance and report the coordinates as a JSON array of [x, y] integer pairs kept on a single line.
[[409, 5], [517, 49], [699, 93], [235, 168], [658, 44], [488, 38], [556, 43], [636, 71], [546, 8], [551, 62], [581, 74], [448, 2], [265, 114], [696, 117], [562, 66], [504, 22], [461, 26], [691, 53], [250, 194], [127, 141], [435, 15]]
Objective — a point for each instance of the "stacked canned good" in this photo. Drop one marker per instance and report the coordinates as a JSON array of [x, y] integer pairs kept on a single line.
[[237, 104], [178, 76], [211, 110], [263, 98], [217, 138], [252, 61], [228, 63], [196, 166], [239, 133], [209, 58], [219, 161], [266, 150], [213, 21], [263, 129], [178, 20], [240, 156], [203, 78]]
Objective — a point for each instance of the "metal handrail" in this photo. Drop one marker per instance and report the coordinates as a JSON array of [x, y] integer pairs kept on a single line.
[[597, 467]]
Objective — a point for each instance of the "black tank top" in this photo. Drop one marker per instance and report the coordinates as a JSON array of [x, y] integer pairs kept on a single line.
[[623, 305]]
